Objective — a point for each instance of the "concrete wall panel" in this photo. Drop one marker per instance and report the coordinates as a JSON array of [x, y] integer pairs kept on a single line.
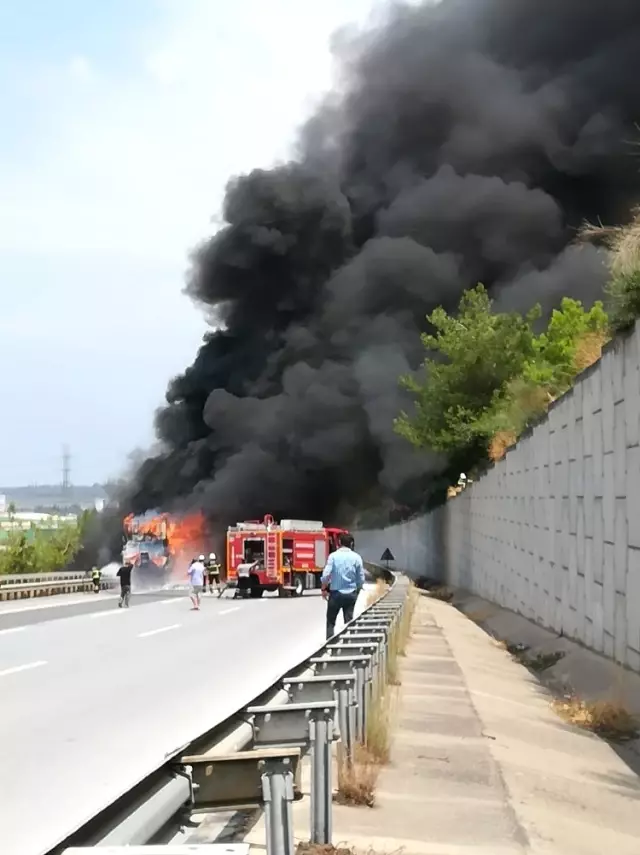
[[553, 530]]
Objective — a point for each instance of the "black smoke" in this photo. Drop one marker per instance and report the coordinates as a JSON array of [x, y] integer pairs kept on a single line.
[[468, 141]]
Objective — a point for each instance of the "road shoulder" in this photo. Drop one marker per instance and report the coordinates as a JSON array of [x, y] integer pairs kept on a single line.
[[569, 790], [481, 765]]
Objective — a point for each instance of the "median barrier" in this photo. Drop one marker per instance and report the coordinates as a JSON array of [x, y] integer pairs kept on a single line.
[[255, 758], [28, 585]]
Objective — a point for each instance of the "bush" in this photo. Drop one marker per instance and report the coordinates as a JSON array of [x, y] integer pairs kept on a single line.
[[40, 550], [487, 375]]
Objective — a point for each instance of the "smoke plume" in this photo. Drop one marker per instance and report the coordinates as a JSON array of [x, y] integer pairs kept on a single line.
[[467, 142]]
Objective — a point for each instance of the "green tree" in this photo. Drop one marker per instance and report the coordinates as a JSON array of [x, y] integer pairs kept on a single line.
[[487, 375], [473, 358], [40, 550], [572, 337]]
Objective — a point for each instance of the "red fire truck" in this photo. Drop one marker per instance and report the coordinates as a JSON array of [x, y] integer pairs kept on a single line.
[[287, 557]]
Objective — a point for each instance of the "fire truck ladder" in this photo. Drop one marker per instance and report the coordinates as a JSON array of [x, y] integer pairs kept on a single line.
[[272, 554]]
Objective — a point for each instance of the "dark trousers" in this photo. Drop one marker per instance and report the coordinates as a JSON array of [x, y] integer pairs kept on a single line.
[[337, 603]]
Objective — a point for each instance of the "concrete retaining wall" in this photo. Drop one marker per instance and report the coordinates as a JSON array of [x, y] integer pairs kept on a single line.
[[418, 546], [553, 530]]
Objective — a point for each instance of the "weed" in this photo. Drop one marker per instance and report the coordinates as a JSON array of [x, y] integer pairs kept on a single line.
[[379, 724], [442, 593], [399, 638], [479, 615], [613, 721], [379, 591], [357, 781], [542, 661], [322, 849], [538, 663], [517, 650], [329, 849]]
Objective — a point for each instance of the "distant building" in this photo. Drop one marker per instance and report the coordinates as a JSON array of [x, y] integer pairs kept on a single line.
[[52, 497], [29, 522], [3, 503]]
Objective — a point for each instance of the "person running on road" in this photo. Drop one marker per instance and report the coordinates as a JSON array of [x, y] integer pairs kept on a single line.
[[124, 574], [197, 571], [96, 578], [341, 582], [213, 572]]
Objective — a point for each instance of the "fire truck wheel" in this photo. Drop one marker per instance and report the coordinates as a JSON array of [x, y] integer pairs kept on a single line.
[[256, 592], [298, 582]]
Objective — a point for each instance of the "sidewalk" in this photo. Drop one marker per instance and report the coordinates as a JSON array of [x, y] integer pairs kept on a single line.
[[481, 765]]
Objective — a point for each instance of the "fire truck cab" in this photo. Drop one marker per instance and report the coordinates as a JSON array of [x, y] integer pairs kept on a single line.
[[287, 557]]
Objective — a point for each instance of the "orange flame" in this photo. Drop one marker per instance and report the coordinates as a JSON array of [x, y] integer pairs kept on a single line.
[[187, 536]]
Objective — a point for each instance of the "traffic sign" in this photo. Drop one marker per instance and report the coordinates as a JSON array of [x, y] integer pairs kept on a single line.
[[387, 555]]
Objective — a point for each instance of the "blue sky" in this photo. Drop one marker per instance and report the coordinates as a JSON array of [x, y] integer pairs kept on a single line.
[[121, 123]]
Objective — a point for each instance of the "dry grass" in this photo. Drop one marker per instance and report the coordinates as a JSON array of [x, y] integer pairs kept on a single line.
[[380, 724], [623, 242], [340, 849], [480, 615], [357, 781], [322, 849], [542, 661], [501, 443], [441, 593], [379, 591], [589, 350], [399, 638], [610, 720], [393, 665]]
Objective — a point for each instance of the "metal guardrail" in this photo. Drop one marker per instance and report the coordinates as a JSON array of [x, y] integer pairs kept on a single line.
[[23, 585], [254, 760], [34, 578]]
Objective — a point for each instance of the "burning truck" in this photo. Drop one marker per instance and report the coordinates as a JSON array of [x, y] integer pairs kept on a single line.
[[160, 545], [286, 557]]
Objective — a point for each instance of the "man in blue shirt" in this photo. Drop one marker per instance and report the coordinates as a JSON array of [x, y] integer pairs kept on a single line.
[[342, 581]]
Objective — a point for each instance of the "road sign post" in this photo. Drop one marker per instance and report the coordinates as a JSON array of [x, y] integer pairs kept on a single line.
[[387, 556]]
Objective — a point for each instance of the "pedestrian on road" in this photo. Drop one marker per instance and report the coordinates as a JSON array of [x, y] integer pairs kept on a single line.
[[341, 582], [124, 574], [197, 572]]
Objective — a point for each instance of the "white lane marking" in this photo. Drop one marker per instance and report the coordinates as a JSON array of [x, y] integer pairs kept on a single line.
[[106, 614], [12, 629], [156, 631], [228, 611], [18, 668], [53, 605]]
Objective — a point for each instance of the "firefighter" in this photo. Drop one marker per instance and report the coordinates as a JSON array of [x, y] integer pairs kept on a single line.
[[213, 572], [96, 578]]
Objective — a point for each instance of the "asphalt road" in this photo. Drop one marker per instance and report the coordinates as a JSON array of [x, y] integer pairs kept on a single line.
[[93, 697], [14, 613]]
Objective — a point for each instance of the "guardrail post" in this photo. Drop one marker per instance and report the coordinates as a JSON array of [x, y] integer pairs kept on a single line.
[[321, 735], [346, 722], [361, 700], [277, 792]]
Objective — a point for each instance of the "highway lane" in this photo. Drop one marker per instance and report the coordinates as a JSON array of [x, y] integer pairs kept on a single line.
[[90, 704], [17, 613]]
